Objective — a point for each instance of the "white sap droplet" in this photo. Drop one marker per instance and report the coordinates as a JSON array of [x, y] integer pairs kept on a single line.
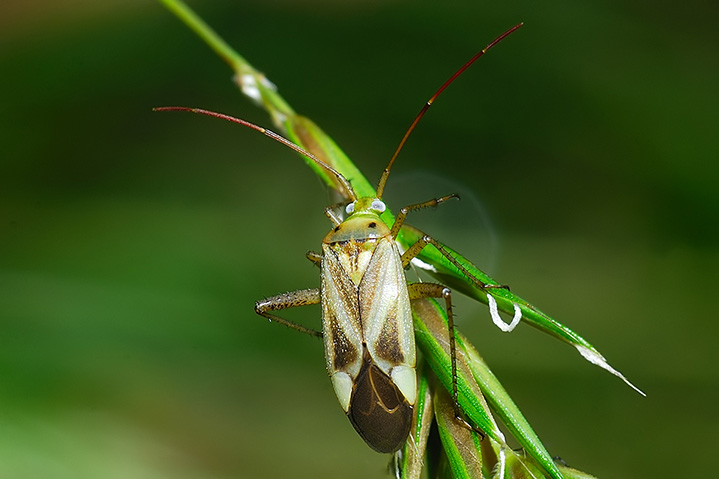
[[598, 360], [497, 319], [249, 87]]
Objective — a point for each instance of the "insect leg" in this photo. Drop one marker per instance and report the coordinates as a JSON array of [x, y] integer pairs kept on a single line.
[[292, 299], [426, 239], [402, 215], [415, 249], [434, 290], [315, 257], [332, 215]]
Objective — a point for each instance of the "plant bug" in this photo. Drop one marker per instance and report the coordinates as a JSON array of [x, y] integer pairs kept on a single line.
[[366, 312]]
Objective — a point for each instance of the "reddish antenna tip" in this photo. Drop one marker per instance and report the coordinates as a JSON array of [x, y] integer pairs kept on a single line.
[[425, 107]]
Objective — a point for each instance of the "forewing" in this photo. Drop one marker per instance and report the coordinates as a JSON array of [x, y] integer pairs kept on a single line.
[[384, 309], [342, 331]]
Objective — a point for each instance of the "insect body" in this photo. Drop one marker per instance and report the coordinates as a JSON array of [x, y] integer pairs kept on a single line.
[[366, 313], [367, 327], [367, 319]]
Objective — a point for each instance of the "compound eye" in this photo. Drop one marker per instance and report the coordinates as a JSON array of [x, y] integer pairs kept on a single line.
[[350, 208], [378, 206]]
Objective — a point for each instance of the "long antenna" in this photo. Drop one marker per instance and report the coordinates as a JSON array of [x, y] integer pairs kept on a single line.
[[343, 181], [385, 173]]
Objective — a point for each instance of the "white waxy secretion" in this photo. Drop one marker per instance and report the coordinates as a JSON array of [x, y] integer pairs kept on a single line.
[[598, 360], [497, 319]]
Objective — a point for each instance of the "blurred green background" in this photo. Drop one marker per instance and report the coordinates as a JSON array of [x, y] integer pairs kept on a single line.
[[133, 244]]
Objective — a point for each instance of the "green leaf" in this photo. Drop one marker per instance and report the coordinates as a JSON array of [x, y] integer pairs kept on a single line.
[[410, 461], [473, 285], [474, 382], [461, 445]]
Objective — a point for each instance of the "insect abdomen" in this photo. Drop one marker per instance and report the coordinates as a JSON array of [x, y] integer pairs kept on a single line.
[[379, 413]]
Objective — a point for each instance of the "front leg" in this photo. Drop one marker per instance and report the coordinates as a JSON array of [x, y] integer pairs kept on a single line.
[[292, 299], [425, 240]]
